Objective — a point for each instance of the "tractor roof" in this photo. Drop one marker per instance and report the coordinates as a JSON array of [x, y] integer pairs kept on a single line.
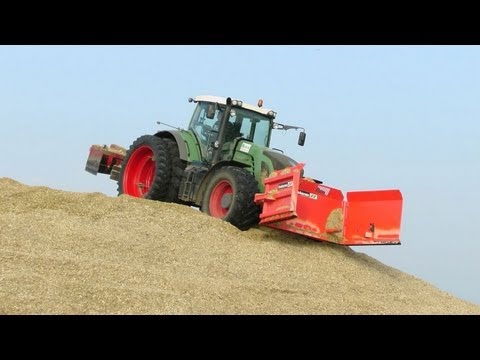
[[223, 101]]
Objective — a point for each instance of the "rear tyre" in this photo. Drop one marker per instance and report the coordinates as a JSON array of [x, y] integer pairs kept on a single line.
[[146, 171], [178, 166], [230, 196]]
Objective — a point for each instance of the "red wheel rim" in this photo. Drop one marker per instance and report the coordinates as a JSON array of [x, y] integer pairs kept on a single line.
[[222, 189], [139, 172]]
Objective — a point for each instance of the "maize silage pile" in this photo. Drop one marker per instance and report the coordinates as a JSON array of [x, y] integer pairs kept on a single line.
[[78, 253]]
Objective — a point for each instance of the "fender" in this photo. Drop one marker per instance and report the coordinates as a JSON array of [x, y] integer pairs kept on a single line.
[[175, 134]]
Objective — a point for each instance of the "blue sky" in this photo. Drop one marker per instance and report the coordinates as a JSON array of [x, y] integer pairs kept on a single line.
[[377, 117]]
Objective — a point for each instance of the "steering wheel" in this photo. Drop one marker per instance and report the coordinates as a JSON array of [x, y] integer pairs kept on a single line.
[[207, 130]]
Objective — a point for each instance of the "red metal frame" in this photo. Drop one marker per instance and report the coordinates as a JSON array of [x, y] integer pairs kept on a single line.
[[102, 159], [304, 206]]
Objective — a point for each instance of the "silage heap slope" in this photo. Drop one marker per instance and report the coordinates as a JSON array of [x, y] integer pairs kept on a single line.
[[78, 253]]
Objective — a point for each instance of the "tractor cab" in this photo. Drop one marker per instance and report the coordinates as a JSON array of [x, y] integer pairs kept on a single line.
[[219, 124]]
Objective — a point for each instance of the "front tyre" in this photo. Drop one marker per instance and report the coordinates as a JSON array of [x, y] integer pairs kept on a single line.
[[230, 196]]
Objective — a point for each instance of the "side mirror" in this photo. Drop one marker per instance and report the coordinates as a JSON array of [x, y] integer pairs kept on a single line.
[[301, 138], [211, 111]]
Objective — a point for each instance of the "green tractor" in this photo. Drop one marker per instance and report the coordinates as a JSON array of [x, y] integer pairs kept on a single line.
[[223, 164], [218, 164]]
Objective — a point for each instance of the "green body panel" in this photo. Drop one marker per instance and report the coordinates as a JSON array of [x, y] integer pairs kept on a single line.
[[254, 158], [191, 145], [245, 153], [188, 148], [250, 155]]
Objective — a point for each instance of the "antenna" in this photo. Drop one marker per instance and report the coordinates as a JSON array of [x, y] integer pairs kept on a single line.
[[174, 127]]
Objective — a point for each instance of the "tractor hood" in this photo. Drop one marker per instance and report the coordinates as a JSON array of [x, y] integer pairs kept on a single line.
[[279, 160]]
